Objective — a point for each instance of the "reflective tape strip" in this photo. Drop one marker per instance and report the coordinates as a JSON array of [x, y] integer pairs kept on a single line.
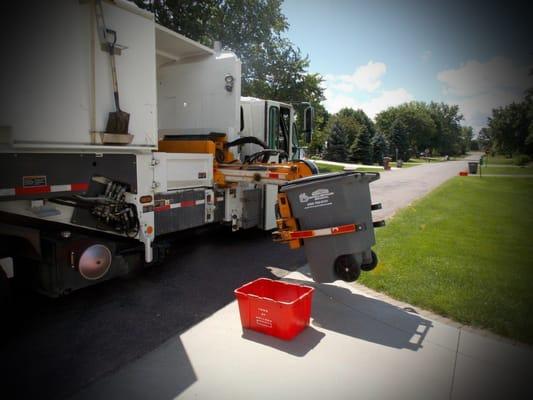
[[7, 192], [336, 230], [187, 203], [221, 198], [162, 208], [31, 190], [74, 187], [79, 187], [60, 188]]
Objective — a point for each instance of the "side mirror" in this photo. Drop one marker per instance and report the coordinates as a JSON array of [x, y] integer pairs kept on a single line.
[[308, 123]]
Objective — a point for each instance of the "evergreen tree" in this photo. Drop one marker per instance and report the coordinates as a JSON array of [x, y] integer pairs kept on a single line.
[[361, 149], [380, 147], [336, 150], [399, 140]]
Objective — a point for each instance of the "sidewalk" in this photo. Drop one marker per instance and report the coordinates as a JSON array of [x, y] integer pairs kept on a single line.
[[358, 346]]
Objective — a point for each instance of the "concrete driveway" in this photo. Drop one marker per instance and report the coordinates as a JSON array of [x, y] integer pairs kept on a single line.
[[360, 344], [357, 346]]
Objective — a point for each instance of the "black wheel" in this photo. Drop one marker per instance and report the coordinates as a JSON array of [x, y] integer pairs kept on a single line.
[[372, 264], [347, 268], [5, 297]]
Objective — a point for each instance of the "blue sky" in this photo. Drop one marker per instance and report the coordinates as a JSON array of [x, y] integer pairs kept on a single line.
[[375, 54]]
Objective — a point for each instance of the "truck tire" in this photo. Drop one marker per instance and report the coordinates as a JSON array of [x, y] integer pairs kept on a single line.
[[5, 294]]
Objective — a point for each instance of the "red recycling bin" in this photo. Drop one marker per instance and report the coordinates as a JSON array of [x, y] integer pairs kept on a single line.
[[275, 308]]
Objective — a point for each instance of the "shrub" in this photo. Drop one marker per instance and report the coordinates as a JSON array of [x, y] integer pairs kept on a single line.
[[522, 160]]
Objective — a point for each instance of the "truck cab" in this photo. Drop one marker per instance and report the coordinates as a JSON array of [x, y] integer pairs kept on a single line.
[[274, 123]]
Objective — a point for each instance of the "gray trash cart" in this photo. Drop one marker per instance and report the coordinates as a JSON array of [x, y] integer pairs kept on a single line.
[[472, 167], [331, 214]]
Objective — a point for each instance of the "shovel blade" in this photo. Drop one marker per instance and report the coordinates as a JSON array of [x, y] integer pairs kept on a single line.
[[117, 122]]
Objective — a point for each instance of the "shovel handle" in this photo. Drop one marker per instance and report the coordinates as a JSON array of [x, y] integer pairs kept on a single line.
[[113, 66]]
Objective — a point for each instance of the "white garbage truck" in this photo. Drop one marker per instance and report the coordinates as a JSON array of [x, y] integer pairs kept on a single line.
[[116, 132]]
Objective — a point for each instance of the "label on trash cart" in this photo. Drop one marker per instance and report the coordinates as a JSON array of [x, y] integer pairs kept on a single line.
[[262, 319], [318, 198]]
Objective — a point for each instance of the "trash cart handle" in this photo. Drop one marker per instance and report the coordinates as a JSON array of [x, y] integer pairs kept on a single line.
[[332, 231]]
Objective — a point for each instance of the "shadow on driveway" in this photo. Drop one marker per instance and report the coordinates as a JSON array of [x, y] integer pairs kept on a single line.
[[338, 309]]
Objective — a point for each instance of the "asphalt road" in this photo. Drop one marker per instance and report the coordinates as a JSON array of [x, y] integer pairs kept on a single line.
[[399, 188], [58, 346]]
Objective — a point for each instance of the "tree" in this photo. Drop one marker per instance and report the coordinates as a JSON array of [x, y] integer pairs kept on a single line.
[[352, 122], [399, 140], [416, 116], [447, 120], [350, 126], [361, 149], [380, 147], [336, 149], [467, 133], [484, 139], [509, 128], [360, 117], [318, 142]]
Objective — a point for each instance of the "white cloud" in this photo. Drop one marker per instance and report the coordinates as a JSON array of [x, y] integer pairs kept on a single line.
[[475, 78], [479, 87], [350, 90], [365, 77], [387, 98]]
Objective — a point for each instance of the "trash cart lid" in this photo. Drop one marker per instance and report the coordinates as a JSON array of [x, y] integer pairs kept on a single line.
[[371, 176]]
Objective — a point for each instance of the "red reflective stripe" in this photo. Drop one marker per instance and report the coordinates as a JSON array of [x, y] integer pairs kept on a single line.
[[31, 190], [79, 187], [162, 208], [75, 187], [273, 176], [336, 230], [188, 203], [343, 229]]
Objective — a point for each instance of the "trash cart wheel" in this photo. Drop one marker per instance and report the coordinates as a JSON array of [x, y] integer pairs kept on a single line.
[[347, 268], [372, 264]]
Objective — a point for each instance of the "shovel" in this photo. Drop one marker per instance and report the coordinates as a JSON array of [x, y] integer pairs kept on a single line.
[[118, 121]]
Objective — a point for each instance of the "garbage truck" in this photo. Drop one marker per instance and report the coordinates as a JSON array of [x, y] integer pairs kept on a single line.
[[116, 132]]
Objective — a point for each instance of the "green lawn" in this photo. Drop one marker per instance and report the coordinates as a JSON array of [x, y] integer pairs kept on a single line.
[[425, 160], [500, 159], [363, 169], [464, 251], [410, 163], [507, 170], [325, 168]]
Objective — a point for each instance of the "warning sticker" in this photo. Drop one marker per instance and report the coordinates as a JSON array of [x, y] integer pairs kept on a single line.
[[262, 319], [318, 198], [33, 181]]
